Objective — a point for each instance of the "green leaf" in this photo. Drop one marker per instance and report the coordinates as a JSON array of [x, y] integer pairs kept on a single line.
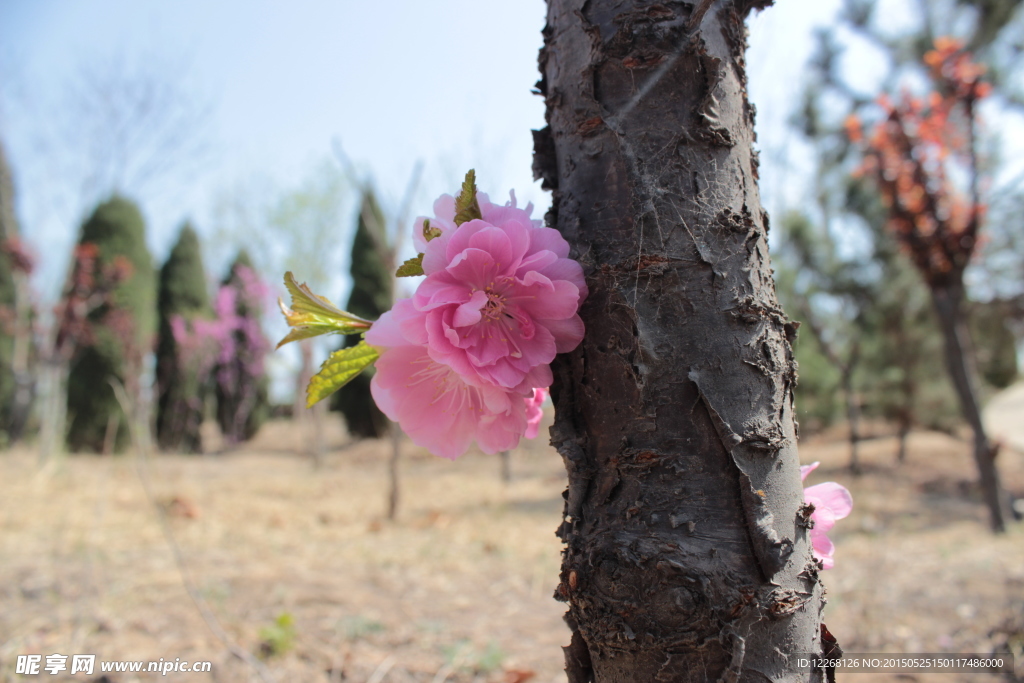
[[312, 315], [339, 369], [430, 233], [413, 266], [466, 206]]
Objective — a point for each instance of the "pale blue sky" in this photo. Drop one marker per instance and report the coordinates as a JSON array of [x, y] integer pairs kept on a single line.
[[446, 82]]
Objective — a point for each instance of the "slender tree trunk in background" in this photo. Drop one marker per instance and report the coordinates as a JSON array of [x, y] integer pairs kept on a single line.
[[904, 433], [852, 415], [302, 380], [313, 417], [687, 554], [24, 382], [395, 432], [317, 447], [506, 466], [948, 303], [113, 422], [52, 420]]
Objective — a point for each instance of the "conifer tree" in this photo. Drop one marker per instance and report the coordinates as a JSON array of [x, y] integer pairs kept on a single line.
[[242, 399], [181, 388], [372, 291], [120, 331]]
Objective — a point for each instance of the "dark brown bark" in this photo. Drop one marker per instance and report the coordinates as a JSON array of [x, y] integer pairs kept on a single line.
[[948, 301], [687, 554]]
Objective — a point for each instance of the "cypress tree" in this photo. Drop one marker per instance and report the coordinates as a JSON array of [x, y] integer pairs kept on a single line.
[[242, 389], [181, 386], [120, 329], [372, 292]]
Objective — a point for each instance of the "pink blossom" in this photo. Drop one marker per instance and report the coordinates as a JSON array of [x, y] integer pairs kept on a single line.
[[434, 405], [444, 216], [499, 300], [535, 412], [831, 501]]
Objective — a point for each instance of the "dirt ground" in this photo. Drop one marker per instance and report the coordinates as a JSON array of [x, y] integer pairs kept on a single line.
[[298, 565]]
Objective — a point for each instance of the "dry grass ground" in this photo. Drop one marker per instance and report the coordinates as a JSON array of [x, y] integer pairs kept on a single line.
[[460, 583]]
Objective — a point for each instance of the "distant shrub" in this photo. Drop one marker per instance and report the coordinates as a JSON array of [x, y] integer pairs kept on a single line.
[[182, 384], [240, 375], [120, 330]]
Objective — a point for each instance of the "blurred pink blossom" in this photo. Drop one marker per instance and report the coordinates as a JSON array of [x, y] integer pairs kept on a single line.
[[831, 501], [535, 411]]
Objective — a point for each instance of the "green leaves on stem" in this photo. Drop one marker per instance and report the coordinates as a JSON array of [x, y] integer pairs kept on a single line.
[[311, 315], [339, 369]]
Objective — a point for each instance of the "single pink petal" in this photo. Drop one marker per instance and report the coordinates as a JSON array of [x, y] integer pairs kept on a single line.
[[566, 269], [567, 333], [807, 469], [410, 321], [475, 268], [537, 261], [548, 239], [557, 303], [444, 207], [469, 312], [385, 332], [535, 411], [440, 289], [833, 496], [823, 549], [460, 238], [495, 242]]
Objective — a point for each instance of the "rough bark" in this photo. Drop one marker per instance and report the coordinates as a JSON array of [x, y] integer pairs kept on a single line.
[[687, 554], [948, 301]]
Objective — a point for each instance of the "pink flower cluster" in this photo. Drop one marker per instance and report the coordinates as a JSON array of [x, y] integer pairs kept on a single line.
[[831, 501], [467, 356]]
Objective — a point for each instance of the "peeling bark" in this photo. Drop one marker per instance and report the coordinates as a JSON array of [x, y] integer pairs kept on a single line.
[[686, 555]]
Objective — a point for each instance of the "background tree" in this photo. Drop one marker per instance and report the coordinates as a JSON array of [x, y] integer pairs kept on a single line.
[[837, 327], [181, 391], [373, 279], [686, 558], [908, 155], [17, 383], [899, 334], [120, 332], [242, 401], [294, 229]]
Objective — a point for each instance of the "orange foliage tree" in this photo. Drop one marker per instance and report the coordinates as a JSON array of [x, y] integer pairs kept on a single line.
[[923, 156]]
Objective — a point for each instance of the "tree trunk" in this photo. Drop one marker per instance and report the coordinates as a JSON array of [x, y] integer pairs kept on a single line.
[[948, 303], [506, 466], [852, 415], [53, 414], [24, 381], [687, 554], [395, 432]]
